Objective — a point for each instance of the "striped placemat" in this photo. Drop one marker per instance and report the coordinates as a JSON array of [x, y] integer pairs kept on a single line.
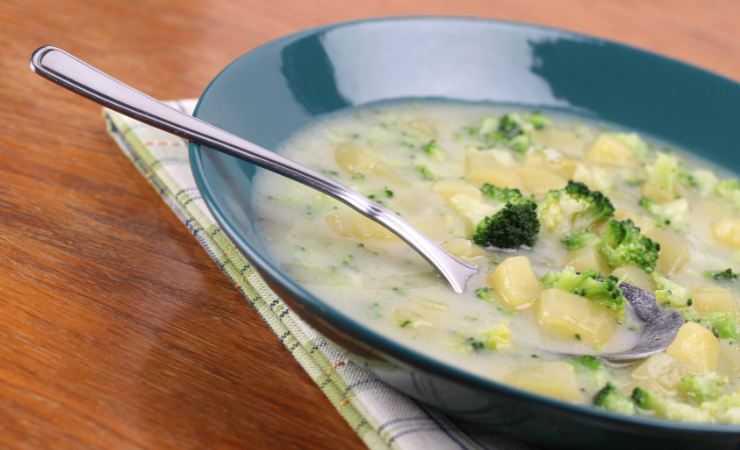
[[381, 416]]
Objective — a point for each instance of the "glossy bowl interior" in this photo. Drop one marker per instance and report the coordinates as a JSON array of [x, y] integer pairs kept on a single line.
[[272, 91]]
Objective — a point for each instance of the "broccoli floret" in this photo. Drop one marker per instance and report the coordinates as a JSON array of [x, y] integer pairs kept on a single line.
[[497, 337], [729, 190], [574, 208], [599, 207], [484, 293], [512, 226], [705, 181], [586, 362], [538, 120], [702, 388], [424, 172], [674, 213], [604, 291], [511, 130], [432, 148], [667, 408], [514, 132], [623, 244], [669, 292], [634, 142], [722, 324], [612, 399], [725, 409], [663, 174], [579, 240], [721, 275], [502, 195], [591, 368]]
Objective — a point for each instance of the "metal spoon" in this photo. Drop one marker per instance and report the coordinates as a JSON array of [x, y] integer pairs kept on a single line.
[[72, 73]]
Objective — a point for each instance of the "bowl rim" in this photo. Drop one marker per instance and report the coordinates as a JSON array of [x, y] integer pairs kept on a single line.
[[391, 347]]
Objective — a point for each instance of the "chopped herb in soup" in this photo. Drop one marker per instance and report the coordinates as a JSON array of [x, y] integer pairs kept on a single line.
[[556, 213]]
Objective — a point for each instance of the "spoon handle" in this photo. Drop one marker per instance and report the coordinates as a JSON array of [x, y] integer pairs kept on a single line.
[[72, 73]]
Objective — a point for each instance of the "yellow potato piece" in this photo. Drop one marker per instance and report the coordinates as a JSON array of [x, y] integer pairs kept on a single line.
[[696, 347], [484, 167], [424, 127], [464, 249], [582, 174], [660, 372], [728, 233], [562, 166], [674, 250], [709, 299], [609, 151], [551, 378], [471, 210], [569, 315], [439, 228], [566, 167], [539, 181], [355, 159], [564, 140], [586, 258], [515, 282], [656, 193], [635, 276], [450, 187], [420, 314], [353, 225]]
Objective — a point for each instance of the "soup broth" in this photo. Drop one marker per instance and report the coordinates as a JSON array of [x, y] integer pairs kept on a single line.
[[479, 180]]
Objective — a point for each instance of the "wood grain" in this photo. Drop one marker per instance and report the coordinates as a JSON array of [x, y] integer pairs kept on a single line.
[[116, 329]]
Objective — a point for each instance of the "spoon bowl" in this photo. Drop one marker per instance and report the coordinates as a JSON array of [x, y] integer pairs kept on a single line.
[[659, 330]]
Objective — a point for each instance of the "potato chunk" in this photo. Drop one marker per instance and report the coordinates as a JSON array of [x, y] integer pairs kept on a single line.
[[471, 210], [674, 250], [486, 167], [696, 347], [572, 316], [353, 225], [355, 159], [608, 150], [728, 233], [464, 249], [660, 372], [450, 187], [586, 258], [539, 181], [439, 228], [551, 378], [635, 276], [515, 282], [656, 193], [709, 299]]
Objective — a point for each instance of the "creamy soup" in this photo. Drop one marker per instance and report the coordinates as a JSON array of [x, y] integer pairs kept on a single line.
[[556, 212]]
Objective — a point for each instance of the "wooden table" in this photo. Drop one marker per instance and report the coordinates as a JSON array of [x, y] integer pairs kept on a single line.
[[116, 329]]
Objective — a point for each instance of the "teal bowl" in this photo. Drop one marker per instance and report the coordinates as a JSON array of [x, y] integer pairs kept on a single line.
[[274, 90]]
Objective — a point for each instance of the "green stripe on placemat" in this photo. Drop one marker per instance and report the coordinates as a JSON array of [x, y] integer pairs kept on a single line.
[[382, 417]]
